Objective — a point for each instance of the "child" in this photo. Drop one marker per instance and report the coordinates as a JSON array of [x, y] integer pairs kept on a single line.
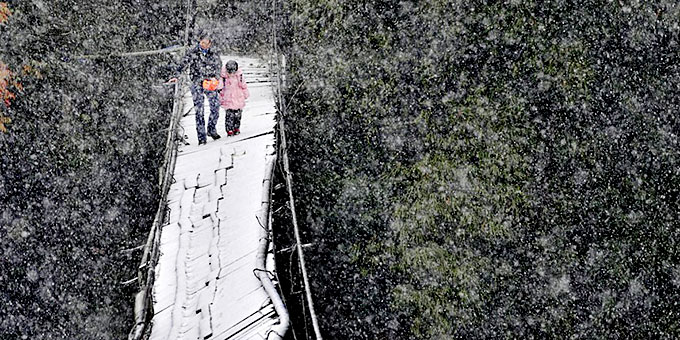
[[233, 96]]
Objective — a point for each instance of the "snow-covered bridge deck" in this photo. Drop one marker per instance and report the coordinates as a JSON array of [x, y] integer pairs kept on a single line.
[[204, 283]]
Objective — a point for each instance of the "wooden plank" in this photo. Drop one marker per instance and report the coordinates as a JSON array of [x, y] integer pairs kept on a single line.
[[162, 322], [206, 178], [213, 235]]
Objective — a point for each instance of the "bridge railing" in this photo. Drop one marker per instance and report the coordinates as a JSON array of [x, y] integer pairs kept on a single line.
[[278, 71], [145, 272]]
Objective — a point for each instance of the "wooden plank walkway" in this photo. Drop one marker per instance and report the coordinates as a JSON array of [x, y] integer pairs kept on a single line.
[[204, 286]]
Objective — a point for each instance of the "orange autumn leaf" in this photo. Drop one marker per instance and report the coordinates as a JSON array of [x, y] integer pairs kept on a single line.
[[4, 120], [31, 70], [8, 98], [5, 73], [5, 77], [5, 13], [6, 95]]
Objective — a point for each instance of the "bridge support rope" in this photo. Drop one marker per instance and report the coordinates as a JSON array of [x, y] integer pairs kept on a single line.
[[143, 302], [288, 177], [260, 271]]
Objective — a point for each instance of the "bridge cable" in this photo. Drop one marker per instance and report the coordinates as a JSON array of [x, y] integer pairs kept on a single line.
[[289, 180]]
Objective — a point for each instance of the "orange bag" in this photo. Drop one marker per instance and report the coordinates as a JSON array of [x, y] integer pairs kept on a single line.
[[210, 84]]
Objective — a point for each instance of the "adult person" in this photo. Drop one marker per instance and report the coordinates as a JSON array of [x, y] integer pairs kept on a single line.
[[204, 69]]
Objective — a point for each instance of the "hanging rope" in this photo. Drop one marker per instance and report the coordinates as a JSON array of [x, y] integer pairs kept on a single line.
[[171, 49], [289, 179], [143, 299]]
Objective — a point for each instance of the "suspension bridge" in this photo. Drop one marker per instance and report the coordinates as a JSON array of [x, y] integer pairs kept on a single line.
[[208, 270]]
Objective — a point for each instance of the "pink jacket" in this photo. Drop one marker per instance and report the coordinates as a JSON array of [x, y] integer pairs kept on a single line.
[[234, 90]]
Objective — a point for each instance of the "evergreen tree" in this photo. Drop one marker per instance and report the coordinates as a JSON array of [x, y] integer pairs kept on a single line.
[[488, 169], [79, 162]]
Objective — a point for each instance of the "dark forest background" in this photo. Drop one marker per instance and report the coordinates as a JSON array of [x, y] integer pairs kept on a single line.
[[488, 169], [80, 154], [79, 162], [478, 169]]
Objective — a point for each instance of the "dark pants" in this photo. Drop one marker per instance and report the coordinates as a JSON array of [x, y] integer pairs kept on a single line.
[[232, 119], [197, 93]]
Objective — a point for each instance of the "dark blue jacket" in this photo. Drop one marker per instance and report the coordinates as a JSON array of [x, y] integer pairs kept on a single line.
[[202, 64]]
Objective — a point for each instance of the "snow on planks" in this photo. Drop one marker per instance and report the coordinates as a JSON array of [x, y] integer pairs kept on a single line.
[[204, 286]]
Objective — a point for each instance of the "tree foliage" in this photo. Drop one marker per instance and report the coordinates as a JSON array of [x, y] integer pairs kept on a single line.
[[5, 74], [239, 26], [78, 167], [488, 169]]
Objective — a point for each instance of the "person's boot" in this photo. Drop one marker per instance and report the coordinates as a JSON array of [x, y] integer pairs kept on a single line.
[[201, 142], [230, 133], [237, 131], [215, 136]]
